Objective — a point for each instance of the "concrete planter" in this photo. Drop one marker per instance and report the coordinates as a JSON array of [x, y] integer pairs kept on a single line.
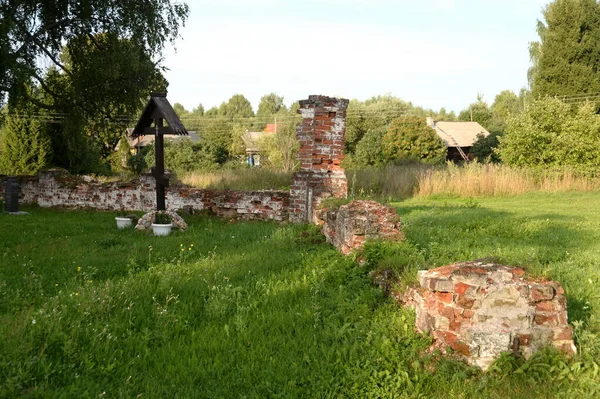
[[162, 229], [123, 223]]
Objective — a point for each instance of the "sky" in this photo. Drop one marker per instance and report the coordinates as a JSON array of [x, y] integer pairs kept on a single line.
[[433, 53]]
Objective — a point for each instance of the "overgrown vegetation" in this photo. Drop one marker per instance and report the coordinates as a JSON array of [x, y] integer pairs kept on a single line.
[[260, 309]]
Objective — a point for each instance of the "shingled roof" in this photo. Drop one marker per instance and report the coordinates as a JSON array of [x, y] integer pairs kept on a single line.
[[159, 107], [462, 134]]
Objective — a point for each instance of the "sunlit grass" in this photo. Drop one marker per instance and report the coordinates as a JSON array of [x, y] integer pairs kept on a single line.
[[268, 310]]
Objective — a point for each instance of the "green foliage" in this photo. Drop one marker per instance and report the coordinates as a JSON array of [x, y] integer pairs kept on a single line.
[[274, 312], [184, 156], [369, 150], [238, 106], [479, 112], [551, 133], [137, 163], [412, 138], [566, 59], [30, 30], [25, 147], [162, 218], [278, 151], [483, 148], [270, 104]]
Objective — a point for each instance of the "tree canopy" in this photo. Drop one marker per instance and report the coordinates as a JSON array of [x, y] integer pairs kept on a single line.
[[30, 30], [551, 133], [566, 59], [411, 138]]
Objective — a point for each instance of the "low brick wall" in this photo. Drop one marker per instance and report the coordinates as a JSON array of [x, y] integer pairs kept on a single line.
[[350, 225], [483, 309], [58, 188]]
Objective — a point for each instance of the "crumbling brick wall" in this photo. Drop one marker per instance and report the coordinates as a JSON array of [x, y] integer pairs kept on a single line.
[[349, 226], [321, 137], [59, 188], [483, 309]]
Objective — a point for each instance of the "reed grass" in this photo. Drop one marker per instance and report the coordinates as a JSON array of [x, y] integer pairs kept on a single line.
[[405, 181], [239, 179], [489, 180]]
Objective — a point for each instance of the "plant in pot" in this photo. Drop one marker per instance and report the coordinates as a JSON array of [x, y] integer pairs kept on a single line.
[[123, 220], [162, 224]]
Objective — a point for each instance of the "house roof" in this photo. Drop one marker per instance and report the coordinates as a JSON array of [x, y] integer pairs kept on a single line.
[[270, 128], [159, 107], [251, 140], [459, 134]]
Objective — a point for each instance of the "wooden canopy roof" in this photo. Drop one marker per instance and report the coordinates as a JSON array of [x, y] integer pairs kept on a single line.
[[158, 107]]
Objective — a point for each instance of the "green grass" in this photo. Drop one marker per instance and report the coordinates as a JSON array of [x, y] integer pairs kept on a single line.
[[265, 310]]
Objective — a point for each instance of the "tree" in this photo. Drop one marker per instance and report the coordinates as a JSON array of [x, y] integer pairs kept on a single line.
[[180, 110], [278, 151], [566, 59], [477, 112], [198, 111], [483, 148], [270, 104], [411, 138], [30, 30], [25, 148], [506, 104], [238, 106], [376, 112], [551, 133], [369, 149]]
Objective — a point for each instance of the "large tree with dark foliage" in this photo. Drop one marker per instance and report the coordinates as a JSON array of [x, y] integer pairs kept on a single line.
[[32, 30], [88, 64], [566, 59]]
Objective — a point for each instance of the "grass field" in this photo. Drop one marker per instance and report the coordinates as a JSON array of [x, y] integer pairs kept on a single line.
[[254, 310]]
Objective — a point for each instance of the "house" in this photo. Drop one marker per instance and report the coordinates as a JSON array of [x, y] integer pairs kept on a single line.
[[137, 143], [458, 137], [251, 140]]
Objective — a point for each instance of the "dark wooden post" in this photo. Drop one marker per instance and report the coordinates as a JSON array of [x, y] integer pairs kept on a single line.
[[11, 195], [159, 171]]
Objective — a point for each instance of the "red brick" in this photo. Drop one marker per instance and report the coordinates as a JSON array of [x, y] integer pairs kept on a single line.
[[461, 288], [445, 297], [544, 306]]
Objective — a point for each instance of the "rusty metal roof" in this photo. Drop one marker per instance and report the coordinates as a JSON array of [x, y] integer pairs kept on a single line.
[[159, 107]]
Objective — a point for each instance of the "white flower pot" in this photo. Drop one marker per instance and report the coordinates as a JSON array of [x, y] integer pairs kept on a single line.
[[161, 229], [123, 223]]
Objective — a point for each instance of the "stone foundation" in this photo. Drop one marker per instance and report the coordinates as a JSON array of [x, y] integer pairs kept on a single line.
[[483, 309], [350, 225]]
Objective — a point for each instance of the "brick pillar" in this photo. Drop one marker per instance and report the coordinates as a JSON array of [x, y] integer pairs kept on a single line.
[[321, 137]]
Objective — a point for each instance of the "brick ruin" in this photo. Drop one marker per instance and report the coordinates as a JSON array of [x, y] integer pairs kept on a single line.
[[349, 226], [478, 309], [321, 137], [58, 188], [483, 309]]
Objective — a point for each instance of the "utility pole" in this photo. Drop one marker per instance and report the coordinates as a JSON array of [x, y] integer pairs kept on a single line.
[[275, 125]]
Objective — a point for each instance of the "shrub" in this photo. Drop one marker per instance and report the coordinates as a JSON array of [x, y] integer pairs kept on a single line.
[[25, 146], [411, 137]]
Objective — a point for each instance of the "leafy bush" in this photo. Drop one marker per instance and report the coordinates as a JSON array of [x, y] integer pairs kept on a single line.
[[25, 146], [184, 156], [411, 138], [483, 148], [551, 133], [369, 149]]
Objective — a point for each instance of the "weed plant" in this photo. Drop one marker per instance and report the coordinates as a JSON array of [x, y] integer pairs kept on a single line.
[[266, 310]]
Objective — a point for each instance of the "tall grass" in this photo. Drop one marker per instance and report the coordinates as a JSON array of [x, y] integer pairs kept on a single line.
[[404, 181], [477, 180], [239, 179]]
